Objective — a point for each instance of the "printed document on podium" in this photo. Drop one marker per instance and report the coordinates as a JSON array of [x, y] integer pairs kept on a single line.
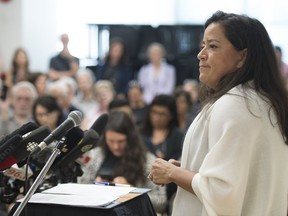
[[85, 195]]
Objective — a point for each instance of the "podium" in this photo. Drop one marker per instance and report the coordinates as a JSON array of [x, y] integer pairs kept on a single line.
[[136, 202]]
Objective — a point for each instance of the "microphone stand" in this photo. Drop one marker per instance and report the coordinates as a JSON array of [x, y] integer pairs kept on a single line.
[[40, 177]]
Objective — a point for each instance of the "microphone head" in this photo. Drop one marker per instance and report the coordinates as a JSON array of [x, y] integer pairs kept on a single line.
[[30, 141], [100, 123], [88, 142], [72, 138], [76, 116], [25, 128], [7, 150]]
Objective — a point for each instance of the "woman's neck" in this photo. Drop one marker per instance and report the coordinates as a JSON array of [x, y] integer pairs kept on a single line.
[[159, 135], [137, 104]]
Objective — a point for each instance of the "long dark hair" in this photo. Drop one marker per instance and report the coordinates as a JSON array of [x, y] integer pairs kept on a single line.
[[163, 100], [133, 161], [124, 58], [14, 63], [260, 65]]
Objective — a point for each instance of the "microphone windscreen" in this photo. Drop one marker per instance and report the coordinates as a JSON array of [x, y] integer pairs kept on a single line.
[[21, 131], [100, 123], [6, 157], [72, 138], [88, 142], [76, 117], [30, 141]]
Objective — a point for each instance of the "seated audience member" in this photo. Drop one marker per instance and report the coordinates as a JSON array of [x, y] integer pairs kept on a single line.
[[161, 132], [156, 77], [104, 94], [16, 110], [19, 68], [192, 87], [118, 104], [85, 97], [63, 64], [39, 80], [63, 91], [121, 158], [115, 67], [184, 109], [135, 97], [46, 111]]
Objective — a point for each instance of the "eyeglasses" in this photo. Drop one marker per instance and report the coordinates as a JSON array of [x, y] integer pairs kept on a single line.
[[20, 98], [42, 115], [159, 114]]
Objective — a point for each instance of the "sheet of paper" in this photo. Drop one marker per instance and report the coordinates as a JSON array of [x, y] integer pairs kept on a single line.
[[72, 200], [80, 195]]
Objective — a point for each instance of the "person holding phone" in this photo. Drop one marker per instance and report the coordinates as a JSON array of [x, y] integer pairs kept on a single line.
[[121, 158]]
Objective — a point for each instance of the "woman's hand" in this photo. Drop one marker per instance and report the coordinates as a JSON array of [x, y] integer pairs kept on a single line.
[[175, 162], [100, 179], [162, 170], [120, 180]]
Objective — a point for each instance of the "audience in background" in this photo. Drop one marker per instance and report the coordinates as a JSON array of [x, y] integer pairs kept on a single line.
[[156, 77], [115, 67], [63, 64], [137, 104], [85, 97], [121, 158], [104, 94], [16, 110], [19, 69], [39, 80], [161, 133]]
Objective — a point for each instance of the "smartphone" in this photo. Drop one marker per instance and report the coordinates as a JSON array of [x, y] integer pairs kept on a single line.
[[4, 91], [4, 88]]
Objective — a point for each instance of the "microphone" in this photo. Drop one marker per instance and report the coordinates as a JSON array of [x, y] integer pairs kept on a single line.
[[22, 130], [97, 126], [10, 144], [100, 123], [30, 142], [73, 120], [88, 142], [71, 139], [19, 147]]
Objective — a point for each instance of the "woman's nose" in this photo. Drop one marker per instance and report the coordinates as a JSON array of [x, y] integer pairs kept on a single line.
[[202, 55]]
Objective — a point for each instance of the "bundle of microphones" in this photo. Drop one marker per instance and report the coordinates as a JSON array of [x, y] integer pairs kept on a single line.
[[29, 147]]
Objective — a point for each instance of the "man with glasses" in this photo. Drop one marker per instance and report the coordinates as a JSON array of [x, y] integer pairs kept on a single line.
[[16, 110]]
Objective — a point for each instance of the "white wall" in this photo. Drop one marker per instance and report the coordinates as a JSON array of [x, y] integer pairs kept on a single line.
[[10, 31], [39, 36]]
